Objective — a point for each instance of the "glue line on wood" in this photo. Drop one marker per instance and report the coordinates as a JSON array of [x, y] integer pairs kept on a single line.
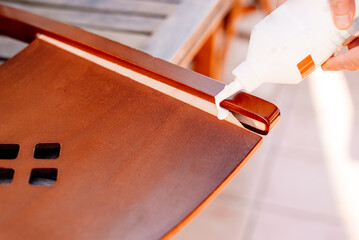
[[140, 78]]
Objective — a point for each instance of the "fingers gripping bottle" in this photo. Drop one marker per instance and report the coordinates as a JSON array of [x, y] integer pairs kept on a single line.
[[287, 45]]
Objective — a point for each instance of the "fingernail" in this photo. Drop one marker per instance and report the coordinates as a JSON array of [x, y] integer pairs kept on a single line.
[[342, 22]]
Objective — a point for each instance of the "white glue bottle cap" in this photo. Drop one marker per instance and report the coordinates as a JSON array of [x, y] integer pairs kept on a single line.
[[244, 73]]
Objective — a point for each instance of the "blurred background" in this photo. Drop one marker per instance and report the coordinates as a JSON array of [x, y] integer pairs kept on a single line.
[[303, 181]]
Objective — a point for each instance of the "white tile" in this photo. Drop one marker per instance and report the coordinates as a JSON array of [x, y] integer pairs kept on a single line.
[[245, 184], [302, 132], [298, 124], [299, 180], [225, 218], [281, 227]]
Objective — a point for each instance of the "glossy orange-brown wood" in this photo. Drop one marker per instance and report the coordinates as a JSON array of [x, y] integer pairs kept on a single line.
[[24, 26], [134, 162]]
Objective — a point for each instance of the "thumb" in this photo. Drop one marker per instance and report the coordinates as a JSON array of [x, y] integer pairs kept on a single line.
[[345, 61], [343, 12]]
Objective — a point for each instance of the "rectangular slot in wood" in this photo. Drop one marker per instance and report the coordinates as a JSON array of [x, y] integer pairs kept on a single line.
[[6, 175], [47, 151], [43, 176], [9, 151]]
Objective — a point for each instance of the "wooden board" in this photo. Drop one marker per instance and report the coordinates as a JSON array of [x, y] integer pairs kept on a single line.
[[185, 32], [180, 37], [89, 149], [129, 22], [172, 30], [141, 25], [260, 115], [152, 8], [133, 163]]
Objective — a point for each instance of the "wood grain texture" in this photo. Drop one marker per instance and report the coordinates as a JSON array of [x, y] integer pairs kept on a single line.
[[96, 20], [134, 163], [154, 9], [171, 30], [130, 39], [182, 35], [177, 31], [25, 26], [128, 22]]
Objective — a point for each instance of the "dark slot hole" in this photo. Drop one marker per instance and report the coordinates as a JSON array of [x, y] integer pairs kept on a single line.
[[43, 176], [9, 151], [6, 175], [47, 151]]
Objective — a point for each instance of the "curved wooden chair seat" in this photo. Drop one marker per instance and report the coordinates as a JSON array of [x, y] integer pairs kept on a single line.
[[101, 141]]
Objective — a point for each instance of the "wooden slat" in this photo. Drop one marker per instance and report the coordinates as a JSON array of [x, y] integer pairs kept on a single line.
[[9, 47], [162, 1], [181, 36], [209, 60], [111, 22], [13, 22], [133, 40], [134, 163], [144, 8], [138, 161]]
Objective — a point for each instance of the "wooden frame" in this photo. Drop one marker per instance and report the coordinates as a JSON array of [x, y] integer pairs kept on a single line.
[[13, 21], [133, 162]]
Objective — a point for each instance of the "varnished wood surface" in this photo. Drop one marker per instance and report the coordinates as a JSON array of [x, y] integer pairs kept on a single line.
[[134, 163], [24, 26], [176, 31]]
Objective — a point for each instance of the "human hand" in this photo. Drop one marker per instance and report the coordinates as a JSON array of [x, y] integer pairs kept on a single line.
[[343, 13], [344, 61]]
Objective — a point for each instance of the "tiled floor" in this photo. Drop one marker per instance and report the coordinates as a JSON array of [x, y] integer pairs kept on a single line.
[[289, 189]]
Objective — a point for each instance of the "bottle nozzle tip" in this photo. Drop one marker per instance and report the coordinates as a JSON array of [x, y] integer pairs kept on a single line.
[[228, 90], [222, 113]]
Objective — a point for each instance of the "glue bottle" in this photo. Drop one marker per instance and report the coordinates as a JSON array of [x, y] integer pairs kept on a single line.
[[288, 45]]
